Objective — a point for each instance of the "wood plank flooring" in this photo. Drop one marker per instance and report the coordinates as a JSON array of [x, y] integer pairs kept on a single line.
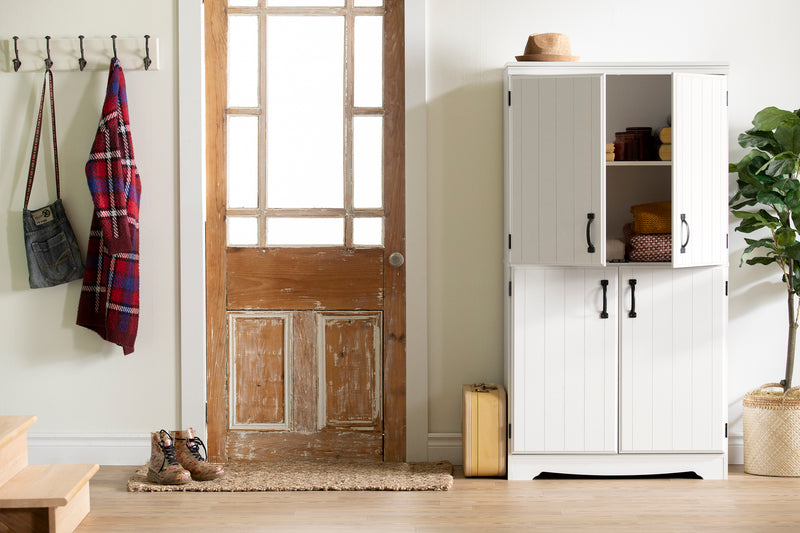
[[743, 503]]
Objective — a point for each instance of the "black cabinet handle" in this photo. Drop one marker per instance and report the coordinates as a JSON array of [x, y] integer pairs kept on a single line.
[[632, 283], [604, 312], [590, 217], [684, 223]]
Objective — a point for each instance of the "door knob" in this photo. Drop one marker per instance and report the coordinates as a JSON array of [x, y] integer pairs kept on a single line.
[[396, 259]]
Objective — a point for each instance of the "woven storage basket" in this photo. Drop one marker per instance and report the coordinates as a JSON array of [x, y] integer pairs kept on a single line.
[[772, 432], [655, 217]]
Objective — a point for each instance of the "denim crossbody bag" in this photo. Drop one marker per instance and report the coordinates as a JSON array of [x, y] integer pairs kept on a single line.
[[50, 245]]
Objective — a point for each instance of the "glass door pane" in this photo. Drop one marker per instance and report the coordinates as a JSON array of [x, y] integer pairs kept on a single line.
[[242, 161], [368, 61], [305, 111], [243, 61], [367, 162]]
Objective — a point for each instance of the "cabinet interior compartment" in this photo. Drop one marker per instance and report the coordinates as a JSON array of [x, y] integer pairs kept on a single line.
[[635, 101]]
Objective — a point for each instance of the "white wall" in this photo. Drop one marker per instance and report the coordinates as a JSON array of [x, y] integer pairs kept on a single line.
[[76, 383], [469, 41]]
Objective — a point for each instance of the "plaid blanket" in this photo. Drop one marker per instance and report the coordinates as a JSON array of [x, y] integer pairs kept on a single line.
[[109, 302]]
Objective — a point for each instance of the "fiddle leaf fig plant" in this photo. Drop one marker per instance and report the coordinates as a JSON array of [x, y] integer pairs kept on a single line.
[[768, 202]]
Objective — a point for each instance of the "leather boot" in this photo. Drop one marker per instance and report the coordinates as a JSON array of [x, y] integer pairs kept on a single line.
[[187, 450], [164, 468]]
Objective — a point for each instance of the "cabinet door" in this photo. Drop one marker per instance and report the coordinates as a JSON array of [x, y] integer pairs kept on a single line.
[[555, 164], [672, 359], [564, 360], [699, 170]]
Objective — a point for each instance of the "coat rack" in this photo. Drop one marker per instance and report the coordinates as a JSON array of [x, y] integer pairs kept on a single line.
[[81, 54]]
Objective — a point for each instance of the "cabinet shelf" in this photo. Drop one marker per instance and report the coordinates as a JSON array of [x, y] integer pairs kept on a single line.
[[638, 163]]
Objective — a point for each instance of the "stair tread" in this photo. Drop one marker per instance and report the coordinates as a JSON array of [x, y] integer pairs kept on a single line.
[[45, 485], [11, 426]]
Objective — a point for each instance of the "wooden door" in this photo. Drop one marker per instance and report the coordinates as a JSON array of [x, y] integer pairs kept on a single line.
[[699, 170], [672, 359], [556, 158], [305, 229], [564, 360]]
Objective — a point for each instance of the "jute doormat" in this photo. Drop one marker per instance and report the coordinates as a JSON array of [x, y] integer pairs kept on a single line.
[[308, 475]]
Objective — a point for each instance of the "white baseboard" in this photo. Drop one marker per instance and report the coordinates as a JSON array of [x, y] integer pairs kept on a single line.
[[47, 448], [448, 447], [735, 449], [445, 447]]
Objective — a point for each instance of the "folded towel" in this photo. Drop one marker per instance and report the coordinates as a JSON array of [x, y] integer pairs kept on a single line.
[[609, 148], [615, 249], [653, 217], [647, 248], [609, 156]]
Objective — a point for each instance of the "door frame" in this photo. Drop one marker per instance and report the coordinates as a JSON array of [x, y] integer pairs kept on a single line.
[[192, 222]]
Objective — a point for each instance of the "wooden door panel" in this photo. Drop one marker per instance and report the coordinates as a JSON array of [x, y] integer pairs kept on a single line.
[[350, 370], [282, 445], [259, 369], [305, 278]]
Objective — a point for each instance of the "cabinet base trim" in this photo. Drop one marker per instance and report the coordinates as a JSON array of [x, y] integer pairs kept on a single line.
[[707, 466]]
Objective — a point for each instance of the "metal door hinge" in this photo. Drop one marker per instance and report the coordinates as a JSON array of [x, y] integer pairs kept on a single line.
[[726, 98], [206, 412], [726, 430], [509, 241], [509, 98], [509, 288], [726, 288], [509, 430]]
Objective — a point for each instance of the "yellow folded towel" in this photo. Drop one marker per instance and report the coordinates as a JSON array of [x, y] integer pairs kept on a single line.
[[609, 156], [609, 148]]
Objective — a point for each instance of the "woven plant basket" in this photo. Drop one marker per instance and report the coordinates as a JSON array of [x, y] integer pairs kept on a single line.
[[772, 432]]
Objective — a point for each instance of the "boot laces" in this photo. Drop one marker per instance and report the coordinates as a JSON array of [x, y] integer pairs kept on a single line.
[[168, 449], [194, 446]]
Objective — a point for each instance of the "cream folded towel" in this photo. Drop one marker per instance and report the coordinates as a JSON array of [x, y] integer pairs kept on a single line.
[[615, 249]]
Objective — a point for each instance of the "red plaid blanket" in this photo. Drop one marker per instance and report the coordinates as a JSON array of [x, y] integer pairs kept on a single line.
[[109, 302]]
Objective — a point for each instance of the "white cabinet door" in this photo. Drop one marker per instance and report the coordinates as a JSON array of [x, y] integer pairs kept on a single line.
[[699, 170], [672, 359], [555, 153], [564, 360]]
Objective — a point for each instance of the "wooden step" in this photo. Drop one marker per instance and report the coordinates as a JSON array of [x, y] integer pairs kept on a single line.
[[13, 445], [51, 498]]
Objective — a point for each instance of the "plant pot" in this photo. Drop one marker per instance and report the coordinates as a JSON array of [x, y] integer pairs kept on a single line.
[[772, 432]]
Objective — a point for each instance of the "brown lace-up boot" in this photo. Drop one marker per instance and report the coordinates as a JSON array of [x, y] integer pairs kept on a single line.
[[164, 468], [187, 450]]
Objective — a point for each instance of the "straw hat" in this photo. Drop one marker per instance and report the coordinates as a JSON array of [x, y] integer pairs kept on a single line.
[[547, 47]]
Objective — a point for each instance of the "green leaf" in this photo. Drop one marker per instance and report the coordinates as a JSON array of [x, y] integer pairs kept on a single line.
[[761, 261], [770, 198], [792, 252], [760, 139], [770, 117], [785, 237], [783, 163], [789, 137], [793, 200]]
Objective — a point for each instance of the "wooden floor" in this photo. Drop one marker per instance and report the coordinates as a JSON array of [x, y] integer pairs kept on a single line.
[[743, 503]]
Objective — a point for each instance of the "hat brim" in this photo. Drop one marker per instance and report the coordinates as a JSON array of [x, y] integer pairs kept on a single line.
[[546, 57]]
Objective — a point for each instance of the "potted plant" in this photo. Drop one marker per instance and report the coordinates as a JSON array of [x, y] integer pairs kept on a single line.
[[768, 201]]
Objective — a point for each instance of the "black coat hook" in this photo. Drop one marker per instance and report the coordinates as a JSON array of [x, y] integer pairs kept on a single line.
[[114, 43], [147, 59], [17, 62], [82, 60], [48, 62]]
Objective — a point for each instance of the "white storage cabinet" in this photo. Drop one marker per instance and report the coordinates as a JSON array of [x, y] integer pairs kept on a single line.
[[614, 368]]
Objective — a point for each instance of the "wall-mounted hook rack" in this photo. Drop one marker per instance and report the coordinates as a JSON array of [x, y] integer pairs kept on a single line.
[[29, 55]]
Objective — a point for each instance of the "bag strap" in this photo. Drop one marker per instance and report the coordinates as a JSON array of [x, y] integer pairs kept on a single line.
[[37, 135]]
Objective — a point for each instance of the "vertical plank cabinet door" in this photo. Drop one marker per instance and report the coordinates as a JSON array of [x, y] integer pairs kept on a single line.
[[699, 170], [672, 359], [555, 194], [564, 357]]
